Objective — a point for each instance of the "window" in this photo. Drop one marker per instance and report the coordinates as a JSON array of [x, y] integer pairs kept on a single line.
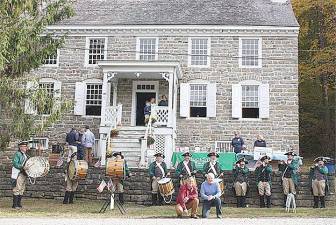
[[147, 49], [93, 99], [198, 100], [52, 59], [250, 53], [199, 51], [43, 142], [47, 107], [250, 101], [96, 50]]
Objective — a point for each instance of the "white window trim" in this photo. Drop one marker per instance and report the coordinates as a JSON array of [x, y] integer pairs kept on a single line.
[[87, 46], [198, 82], [255, 83], [57, 60], [137, 55], [190, 48], [240, 54], [42, 138], [86, 82], [46, 80]]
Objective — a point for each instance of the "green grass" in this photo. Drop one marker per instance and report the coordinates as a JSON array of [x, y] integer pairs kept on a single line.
[[89, 209]]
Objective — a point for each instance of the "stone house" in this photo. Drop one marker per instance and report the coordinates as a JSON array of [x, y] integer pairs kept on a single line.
[[224, 65]]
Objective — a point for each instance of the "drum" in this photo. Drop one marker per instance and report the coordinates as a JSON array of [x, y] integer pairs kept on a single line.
[[115, 168], [36, 167], [166, 187], [77, 169], [221, 184], [184, 181]]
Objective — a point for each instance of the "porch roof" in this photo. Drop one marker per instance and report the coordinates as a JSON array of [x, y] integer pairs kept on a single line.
[[145, 69]]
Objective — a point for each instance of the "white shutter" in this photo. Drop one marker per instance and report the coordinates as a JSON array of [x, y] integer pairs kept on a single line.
[[184, 100], [211, 100], [29, 107], [57, 94], [236, 101], [80, 97], [264, 101]]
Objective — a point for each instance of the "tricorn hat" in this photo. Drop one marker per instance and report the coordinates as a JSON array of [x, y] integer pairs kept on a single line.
[[159, 155], [186, 154], [321, 158], [265, 157], [290, 153], [23, 143], [213, 154], [242, 160], [118, 153]]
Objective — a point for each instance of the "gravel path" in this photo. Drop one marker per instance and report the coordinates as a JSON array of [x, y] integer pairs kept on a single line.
[[278, 221]]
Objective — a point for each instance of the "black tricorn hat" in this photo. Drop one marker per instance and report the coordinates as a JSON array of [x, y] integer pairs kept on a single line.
[[290, 153], [159, 155], [241, 160], [321, 158], [187, 154], [265, 157], [213, 154], [23, 143], [118, 153]]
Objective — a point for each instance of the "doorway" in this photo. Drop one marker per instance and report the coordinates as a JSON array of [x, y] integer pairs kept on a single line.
[[141, 98]]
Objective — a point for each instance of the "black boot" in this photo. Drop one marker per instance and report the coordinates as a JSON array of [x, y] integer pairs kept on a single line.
[[71, 197], [66, 197], [15, 201], [19, 201], [160, 199], [154, 199], [322, 200], [268, 201], [238, 202], [121, 198], [243, 201], [285, 200], [262, 201], [316, 200]]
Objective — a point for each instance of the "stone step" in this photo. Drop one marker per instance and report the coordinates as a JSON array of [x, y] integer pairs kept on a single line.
[[132, 129], [126, 149]]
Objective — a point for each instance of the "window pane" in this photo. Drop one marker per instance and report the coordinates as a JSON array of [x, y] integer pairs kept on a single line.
[[93, 99], [199, 52], [198, 99], [96, 50], [250, 101], [147, 49], [250, 52], [46, 108], [51, 59]]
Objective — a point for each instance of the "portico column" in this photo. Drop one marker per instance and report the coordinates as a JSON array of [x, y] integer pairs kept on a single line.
[[170, 100]]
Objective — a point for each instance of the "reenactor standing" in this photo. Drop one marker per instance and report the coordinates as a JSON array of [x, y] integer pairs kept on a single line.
[[240, 174], [319, 181], [263, 175]]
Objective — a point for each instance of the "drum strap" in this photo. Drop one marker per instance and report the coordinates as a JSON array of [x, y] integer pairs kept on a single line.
[[162, 170], [187, 167], [213, 168]]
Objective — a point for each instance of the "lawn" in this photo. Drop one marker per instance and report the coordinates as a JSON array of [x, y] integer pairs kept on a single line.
[[89, 209]]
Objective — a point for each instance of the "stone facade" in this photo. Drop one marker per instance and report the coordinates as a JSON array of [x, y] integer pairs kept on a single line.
[[279, 70]]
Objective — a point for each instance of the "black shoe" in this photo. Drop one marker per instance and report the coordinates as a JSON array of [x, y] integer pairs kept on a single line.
[[219, 216], [71, 197], [285, 200], [243, 201], [154, 199], [238, 202], [316, 199], [121, 198], [19, 201], [322, 200], [268, 201], [66, 197], [15, 201], [262, 201]]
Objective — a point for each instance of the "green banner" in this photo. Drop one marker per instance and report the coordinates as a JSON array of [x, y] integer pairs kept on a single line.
[[226, 159]]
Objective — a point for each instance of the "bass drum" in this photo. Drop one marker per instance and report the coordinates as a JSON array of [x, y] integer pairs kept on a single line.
[[36, 167], [115, 168], [166, 186], [77, 169]]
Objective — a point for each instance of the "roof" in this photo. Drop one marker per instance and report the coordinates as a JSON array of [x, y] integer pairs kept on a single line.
[[182, 12]]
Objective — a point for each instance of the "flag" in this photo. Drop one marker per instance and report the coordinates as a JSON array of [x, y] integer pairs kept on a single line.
[[101, 187], [110, 186], [97, 164], [59, 162]]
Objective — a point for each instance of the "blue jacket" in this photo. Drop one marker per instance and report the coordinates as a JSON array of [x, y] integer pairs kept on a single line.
[[147, 110], [72, 138], [237, 144]]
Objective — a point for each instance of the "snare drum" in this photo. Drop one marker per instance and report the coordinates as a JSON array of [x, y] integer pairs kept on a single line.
[[77, 169], [36, 167], [221, 184], [115, 168], [184, 181], [166, 187]]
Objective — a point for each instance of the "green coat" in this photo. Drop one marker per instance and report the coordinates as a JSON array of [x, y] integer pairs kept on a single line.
[[207, 168], [258, 173], [18, 160], [180, 170], [238, 170], [294, 165], [322, 170], [152, 166]]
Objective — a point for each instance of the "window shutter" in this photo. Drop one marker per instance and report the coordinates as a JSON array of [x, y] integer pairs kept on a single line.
[[79, 108], [57, 94], [264, 100], [236, 101], [29, 107], [211, 100], [184, 100]]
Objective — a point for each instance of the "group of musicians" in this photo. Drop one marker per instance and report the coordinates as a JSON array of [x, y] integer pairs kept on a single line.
[[210, 192]]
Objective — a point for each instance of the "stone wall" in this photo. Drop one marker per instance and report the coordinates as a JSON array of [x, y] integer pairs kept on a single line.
[[138, 187]]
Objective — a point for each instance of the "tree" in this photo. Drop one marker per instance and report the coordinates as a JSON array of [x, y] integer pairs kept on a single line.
[[24, 45], [317, 68]]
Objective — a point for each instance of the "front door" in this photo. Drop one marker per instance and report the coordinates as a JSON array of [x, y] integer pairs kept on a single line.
[[141, 98]]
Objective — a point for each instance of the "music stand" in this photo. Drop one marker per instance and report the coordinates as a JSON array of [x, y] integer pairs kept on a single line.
[[108, 202]]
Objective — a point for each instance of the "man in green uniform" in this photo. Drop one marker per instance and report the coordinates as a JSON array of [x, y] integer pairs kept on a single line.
[[157, 171], [263, 175], [186, 168], [240, 174], [70, 185], [213, 166], [119, 183], [18, 174], [319, 181]]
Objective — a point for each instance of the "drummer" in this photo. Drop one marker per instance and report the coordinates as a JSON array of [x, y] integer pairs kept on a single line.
[[213, 166], [186, 168], [157, 171], [118, 183], [70, 185], [18, 174]]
